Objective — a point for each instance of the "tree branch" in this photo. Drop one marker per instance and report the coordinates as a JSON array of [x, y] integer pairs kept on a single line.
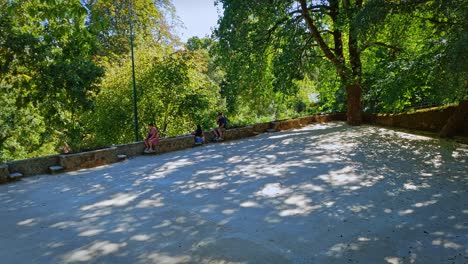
[[337, 36], [435, 21], [271, 30], [315, 33], [377, 43]]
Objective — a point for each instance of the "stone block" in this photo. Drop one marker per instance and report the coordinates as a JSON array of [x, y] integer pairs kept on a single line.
[[88, 159], [131, 149], [121, 157], [261, 127], [238, 133], [4, 173], [15, 175], [56, 169], [34, 166]]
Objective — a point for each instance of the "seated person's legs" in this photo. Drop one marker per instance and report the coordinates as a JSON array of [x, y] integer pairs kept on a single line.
[[152, 144], [216, 133], [199, 140], [221, 132]]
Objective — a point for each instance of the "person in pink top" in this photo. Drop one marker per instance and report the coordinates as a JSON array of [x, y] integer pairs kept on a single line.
[[152, 139]]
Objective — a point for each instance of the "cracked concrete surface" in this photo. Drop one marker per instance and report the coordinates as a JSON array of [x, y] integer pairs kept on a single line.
[[326, 193]]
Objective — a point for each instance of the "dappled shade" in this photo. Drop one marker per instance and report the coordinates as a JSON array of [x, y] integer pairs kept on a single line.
[[326, 193]]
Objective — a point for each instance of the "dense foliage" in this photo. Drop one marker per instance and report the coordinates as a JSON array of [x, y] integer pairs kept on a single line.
[[66, 80], [397, 54]]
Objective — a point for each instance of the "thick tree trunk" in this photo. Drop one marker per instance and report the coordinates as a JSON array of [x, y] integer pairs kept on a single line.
[[353, 114], [351, 77], [455, 121]]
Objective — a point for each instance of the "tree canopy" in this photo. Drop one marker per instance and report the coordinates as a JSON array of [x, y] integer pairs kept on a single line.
[[380, 49]]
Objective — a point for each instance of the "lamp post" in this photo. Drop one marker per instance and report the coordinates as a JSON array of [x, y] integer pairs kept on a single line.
[[135, 113]]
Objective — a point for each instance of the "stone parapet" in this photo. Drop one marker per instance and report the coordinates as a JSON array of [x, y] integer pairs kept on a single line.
[[174, 144], [75, 161], [88, 159], [262, 127], [238, 133], [432, 119], [33, 166], [130, 149], [4, 173]]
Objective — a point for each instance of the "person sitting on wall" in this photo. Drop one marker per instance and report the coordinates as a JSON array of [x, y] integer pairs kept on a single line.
[[219, 131], [152, 139], [199, 136]]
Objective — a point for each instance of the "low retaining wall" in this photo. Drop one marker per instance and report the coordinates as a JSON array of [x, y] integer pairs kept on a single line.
[[99, 157], [88, 159], [306, 120], [33, 166], [432, 119], [4, 173]]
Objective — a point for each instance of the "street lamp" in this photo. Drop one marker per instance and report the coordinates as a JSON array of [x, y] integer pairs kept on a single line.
[[135, 113]]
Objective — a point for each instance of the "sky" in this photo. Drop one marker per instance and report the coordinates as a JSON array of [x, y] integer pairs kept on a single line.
[[198, 16]]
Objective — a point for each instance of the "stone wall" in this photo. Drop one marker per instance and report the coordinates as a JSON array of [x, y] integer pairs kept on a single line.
[[4, 173], [33, 166], [88, 159], [306, 120], [99, 157], [432, 119]]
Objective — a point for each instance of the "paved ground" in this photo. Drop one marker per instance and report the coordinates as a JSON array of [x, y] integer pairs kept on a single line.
[[322, 194]]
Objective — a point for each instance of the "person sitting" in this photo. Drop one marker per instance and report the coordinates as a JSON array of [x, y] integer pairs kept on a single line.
[[219, 131], [199, 136], [152, 139]]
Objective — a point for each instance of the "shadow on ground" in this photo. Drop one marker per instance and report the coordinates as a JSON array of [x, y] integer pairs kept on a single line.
[[326, 193]]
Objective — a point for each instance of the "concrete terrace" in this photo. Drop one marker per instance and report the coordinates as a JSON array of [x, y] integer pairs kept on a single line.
[[326, 193]]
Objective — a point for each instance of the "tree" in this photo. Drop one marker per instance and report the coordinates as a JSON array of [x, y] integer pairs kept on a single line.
[[318, 27], [174, 91], [109, 21], [413, 54], [46, 70], [362, 41]]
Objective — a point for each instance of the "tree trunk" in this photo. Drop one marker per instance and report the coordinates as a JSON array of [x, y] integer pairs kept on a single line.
[[455, 121], [353, 113], [350, 77]]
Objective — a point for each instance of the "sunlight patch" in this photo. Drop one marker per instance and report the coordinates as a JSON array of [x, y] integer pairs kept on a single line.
[[406, 212], [340, 177], [446, 244], [338, 249], [120, 199], [28, 222], [413, 187], [364, 239], [273, 190], [162, 258], [312, 187], [424, 204], [411, 136], [302, 203], [249, 204], [393, 260], [140, 237], [91, 232], [97, 249], [229, 211], [148, 203]]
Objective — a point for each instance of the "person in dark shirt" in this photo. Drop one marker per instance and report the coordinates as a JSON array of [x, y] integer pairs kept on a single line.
[[199, 136], [219, 131]]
